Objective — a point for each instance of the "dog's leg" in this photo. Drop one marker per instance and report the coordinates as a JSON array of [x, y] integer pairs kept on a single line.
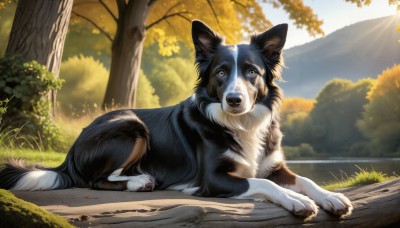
[[262, 190], [139, 183], [335, 203], [118, 181]]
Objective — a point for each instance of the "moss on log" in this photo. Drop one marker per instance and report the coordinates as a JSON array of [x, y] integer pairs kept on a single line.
[[15, 212]]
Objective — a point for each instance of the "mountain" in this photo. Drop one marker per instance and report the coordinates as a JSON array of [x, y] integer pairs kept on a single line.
[[357, 51]]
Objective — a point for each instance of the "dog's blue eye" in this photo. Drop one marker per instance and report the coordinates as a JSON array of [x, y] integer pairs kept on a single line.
[[252, 73], [221, 73]]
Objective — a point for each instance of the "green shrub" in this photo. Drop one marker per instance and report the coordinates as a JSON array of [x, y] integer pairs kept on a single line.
[[304, 150], [84, 87], [26, 84], [145, 96]]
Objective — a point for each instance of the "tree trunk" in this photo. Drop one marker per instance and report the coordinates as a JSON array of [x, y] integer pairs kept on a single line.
[[38, 33], [126, 53], [375, 205]]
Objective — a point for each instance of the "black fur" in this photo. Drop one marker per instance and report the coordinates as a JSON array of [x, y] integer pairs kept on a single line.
[[184, 145]]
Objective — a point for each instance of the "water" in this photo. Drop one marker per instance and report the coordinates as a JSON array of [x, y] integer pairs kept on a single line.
[[327, 171]]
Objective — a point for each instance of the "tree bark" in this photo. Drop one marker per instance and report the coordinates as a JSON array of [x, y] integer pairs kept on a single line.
[[38, 33], [126, 54], [375, 205]]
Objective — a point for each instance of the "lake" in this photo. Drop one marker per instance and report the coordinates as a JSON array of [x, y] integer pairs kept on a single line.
[[326, 171]]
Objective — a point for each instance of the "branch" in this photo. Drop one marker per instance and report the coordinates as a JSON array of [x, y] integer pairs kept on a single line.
[[166, 17], [121, 6], [108, 10], [94, 24], [215, 14]]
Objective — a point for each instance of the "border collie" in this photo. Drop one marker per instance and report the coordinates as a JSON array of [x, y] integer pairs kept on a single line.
[[224, 141]]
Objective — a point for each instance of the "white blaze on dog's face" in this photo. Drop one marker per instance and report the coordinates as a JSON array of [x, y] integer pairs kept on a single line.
[[236, 76]]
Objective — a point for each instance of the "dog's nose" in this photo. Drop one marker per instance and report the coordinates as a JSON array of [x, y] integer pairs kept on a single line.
[[234, 99]]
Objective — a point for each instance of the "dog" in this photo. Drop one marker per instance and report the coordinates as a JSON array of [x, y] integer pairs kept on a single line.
[[223, 141]]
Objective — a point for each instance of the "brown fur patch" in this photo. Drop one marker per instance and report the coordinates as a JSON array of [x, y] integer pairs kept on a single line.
[[283, 175], [138, 151], [241, 171]]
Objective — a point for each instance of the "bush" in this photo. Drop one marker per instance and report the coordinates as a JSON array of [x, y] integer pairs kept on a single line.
[[145, 96], [84, 87], [304, 150], [26, 85]]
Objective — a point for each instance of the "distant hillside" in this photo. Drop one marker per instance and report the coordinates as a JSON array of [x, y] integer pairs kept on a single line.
[[357, 51]]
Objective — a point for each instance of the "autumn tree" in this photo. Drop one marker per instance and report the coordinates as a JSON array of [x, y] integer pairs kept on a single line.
[[380, 122], [338, 106], [295, 117], [38, 32], [127, 23]]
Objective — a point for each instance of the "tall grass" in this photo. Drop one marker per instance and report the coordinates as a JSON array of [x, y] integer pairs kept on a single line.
[[362, 177], [15, 145]]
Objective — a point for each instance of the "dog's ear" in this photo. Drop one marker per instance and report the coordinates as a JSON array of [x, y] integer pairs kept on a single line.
[[205, 40], [271, 42]]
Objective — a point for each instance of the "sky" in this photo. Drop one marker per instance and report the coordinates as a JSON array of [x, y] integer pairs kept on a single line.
[[336, 14]]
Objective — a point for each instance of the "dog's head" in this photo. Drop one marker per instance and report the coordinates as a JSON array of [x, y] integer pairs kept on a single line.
[[237, 76]]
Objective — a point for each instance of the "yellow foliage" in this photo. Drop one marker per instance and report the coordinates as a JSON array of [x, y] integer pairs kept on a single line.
[[95, 31], [234, 19], [294, 105], [381, 122], [388, 82]]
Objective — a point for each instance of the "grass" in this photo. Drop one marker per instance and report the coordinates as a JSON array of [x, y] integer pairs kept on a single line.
[[31, 156], [19, 213], [363, 177]]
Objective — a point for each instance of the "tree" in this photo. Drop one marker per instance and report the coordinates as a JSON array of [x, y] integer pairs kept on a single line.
[[38, 33], [380, 121], [173, 80], [125, 24], [294, 113], [332, 123]]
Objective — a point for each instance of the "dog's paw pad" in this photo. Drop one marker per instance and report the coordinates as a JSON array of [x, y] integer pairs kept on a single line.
[[141, 183]]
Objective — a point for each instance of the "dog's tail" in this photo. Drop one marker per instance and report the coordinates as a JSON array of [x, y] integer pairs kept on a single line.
[[14, 175]]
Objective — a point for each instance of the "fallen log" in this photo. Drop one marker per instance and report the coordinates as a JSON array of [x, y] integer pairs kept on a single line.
[[375, 205]]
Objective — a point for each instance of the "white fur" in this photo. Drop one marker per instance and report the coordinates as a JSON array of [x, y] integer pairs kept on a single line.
[[236, 85], [336, 203], [248, 130], [37, 180], [137, 182], [193, 98], [269, 162], [262, 190], [185, 188], [134, 182], [115, 176], [236, 157]]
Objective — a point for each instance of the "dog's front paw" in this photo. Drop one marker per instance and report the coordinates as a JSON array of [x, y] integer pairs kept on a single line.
[[299, 205], [336, 203]]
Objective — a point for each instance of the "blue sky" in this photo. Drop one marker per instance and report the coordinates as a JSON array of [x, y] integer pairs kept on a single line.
[[336, 14]]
